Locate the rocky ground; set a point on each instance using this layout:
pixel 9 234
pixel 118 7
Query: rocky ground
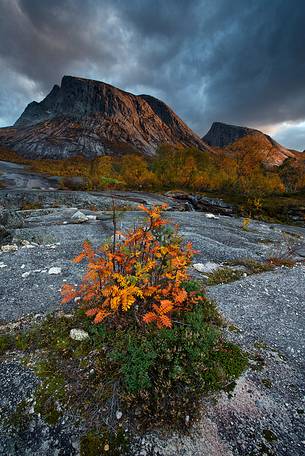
pixel 262 414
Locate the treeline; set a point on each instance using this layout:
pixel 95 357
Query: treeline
pixel 179 168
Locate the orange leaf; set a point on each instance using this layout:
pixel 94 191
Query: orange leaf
pixel 100 316
pixel 165 321
pixel 68 293
pixel 181 296
pixel 165 307
pixel 92 312
pixel 149 317
pixel 79 258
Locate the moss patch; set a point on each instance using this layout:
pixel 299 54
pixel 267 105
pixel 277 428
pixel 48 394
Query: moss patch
pixel 155 378
pixel 103 442
pixel 224 275
pixel 252 266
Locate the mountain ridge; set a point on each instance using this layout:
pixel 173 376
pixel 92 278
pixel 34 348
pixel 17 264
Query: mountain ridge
pixel 91 118
pixel 230 139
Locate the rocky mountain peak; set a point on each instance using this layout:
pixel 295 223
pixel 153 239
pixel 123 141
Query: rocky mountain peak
pixel 222 134
pixel 87 117
pixel 234 138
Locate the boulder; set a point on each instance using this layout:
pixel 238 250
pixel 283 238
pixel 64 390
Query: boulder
pixel 11 219
pixel 79 217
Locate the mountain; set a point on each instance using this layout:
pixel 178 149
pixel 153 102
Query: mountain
pixel 90 118
pixel 232 139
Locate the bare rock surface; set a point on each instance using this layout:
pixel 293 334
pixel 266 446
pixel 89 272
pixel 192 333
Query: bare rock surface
pixel 262 414
pixel 15 175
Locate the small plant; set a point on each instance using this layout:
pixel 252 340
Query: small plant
pixel 137 278
pixel 245 223
pixel 27 205
pixel 224 275
pixel 277 261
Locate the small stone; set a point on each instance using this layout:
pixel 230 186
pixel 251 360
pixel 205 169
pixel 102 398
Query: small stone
pixel 54 270
pixel 78 334
pixel 106 447
pixel 26 274
pixel 119 415
pixel 206 267
pixel 211 216
pixel 187 419
pixel 79 217
pixel 9 248
pixel 2 265
pixel 28 246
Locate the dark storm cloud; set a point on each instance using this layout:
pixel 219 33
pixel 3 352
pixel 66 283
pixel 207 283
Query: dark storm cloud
pixel 238 61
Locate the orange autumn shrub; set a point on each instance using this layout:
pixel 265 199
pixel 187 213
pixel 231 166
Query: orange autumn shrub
pixel 139 276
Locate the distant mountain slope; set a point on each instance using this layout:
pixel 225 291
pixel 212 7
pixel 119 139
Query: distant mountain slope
pixel 86 117
pixel 233 138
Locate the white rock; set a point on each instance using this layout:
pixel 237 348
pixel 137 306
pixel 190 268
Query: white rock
pixel 9 248
pixel 119 415
pixel 79 217
pixel 26 274
pixel 206 267
pixel 55 270
pixel 211 216
pixel 78 334
pixel 25 242
pixel 2 265
pixel 22 266
pixel 91 217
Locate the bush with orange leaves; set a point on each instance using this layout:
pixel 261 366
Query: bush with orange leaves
pixel 138 277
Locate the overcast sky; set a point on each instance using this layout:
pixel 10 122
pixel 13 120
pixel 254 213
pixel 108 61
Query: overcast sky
pixel 236 61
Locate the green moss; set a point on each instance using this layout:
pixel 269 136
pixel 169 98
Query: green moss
pixel 7 342
pixel 257 362
pixel 19 419
pixel 224 275
pixel 252 266
pixel 233 328
pixel 269 435
pixel 160 373
pixel 103 442
pixel 260 345
pixel 267 382
pixel 266 241
pixel 50 392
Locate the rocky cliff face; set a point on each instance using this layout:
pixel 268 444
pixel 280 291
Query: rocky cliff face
pixel 233 138
pixel 90 118
pixel 221 134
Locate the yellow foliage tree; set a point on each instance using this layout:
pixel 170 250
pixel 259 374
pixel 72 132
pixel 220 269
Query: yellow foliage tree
pixel 138 278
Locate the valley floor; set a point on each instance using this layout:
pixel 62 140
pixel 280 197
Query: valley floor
pixel 262 414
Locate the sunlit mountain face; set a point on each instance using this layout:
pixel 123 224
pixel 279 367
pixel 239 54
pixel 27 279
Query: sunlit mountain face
pixel 209 60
